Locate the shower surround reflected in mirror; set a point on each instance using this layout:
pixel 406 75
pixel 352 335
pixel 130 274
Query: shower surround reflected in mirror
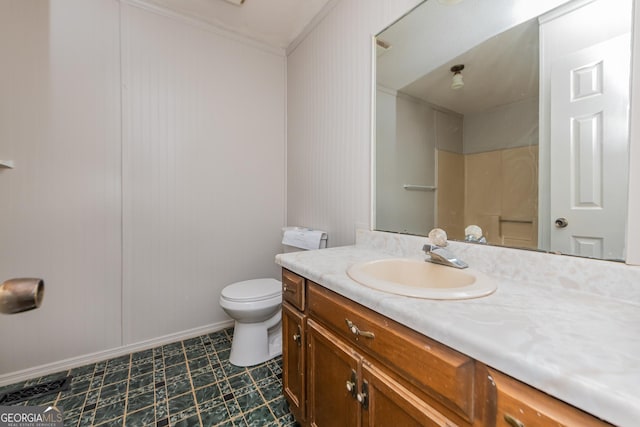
pixel 532 130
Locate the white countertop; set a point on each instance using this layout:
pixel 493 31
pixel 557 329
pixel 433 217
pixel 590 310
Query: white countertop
pixel 570 342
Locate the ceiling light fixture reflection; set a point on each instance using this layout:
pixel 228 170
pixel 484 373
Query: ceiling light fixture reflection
pixel 456 80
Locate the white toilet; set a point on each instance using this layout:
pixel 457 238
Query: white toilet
pixel 255 305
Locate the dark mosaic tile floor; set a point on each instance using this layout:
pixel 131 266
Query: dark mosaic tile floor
pixel 186 383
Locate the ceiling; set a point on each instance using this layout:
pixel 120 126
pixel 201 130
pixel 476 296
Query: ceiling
pixel 496 40
pixel 500 71
pixel 276 23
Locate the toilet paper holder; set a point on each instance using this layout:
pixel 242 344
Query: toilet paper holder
pixel 21 294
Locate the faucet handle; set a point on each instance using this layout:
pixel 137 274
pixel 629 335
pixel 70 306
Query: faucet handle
pixel 442 256
pixel 428 247
pixel 438 236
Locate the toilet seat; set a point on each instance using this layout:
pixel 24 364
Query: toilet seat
pixel 252 290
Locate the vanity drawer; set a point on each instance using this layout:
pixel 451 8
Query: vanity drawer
pixel 293 289
pixel 421 361
pixel 519 405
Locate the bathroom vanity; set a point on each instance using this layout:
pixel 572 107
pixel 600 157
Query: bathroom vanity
pixel 356 356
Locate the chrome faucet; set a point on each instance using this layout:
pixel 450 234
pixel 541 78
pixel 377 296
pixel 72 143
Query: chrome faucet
pixel 439 255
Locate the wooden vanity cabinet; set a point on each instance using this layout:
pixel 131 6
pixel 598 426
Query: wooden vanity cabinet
pixel 346 365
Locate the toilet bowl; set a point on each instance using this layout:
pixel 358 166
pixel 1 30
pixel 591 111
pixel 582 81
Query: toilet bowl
pixel 255 305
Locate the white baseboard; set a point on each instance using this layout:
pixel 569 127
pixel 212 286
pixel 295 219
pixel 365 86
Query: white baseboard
pixel 74 362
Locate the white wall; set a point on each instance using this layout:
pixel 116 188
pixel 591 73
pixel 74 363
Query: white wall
pixel 507 126
pixel 385 159
pixel 204 171
pixel 329 118
pixel 60 206
pixel 449 131
pixel 192 179
pixel 405 156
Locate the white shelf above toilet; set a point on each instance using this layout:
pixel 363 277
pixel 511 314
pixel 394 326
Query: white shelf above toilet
pixel 7 164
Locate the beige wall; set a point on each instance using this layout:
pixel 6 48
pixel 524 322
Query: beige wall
pixel 188 190
pixel 451 183
pixel 496 190
pixel 501 195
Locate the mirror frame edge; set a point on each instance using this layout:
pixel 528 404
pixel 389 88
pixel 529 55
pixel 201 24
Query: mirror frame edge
pixel 633 227
pixel 372 135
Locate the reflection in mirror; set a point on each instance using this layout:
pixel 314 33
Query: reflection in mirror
pixel 517 123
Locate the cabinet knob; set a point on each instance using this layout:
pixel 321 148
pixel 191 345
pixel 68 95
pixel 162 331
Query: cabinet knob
pixel 363 397
pixel 513 421
pixel 351 383
pixel 351 386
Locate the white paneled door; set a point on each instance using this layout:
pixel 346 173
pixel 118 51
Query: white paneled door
pixel 589 149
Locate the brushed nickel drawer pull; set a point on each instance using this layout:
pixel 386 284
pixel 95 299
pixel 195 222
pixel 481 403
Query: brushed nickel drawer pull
pixel 356 331
pixel 512 421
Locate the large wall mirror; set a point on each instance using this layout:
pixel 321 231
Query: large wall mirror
pixel 512 115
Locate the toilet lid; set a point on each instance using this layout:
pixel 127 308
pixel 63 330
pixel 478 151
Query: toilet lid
pixel 252 290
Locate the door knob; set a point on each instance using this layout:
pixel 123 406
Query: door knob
pixel 561 222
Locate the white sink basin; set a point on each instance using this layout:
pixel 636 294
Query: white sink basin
pixel 421 279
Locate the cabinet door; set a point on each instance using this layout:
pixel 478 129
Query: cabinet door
pixel 388 403
pixel 332 386
pixel 293 360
